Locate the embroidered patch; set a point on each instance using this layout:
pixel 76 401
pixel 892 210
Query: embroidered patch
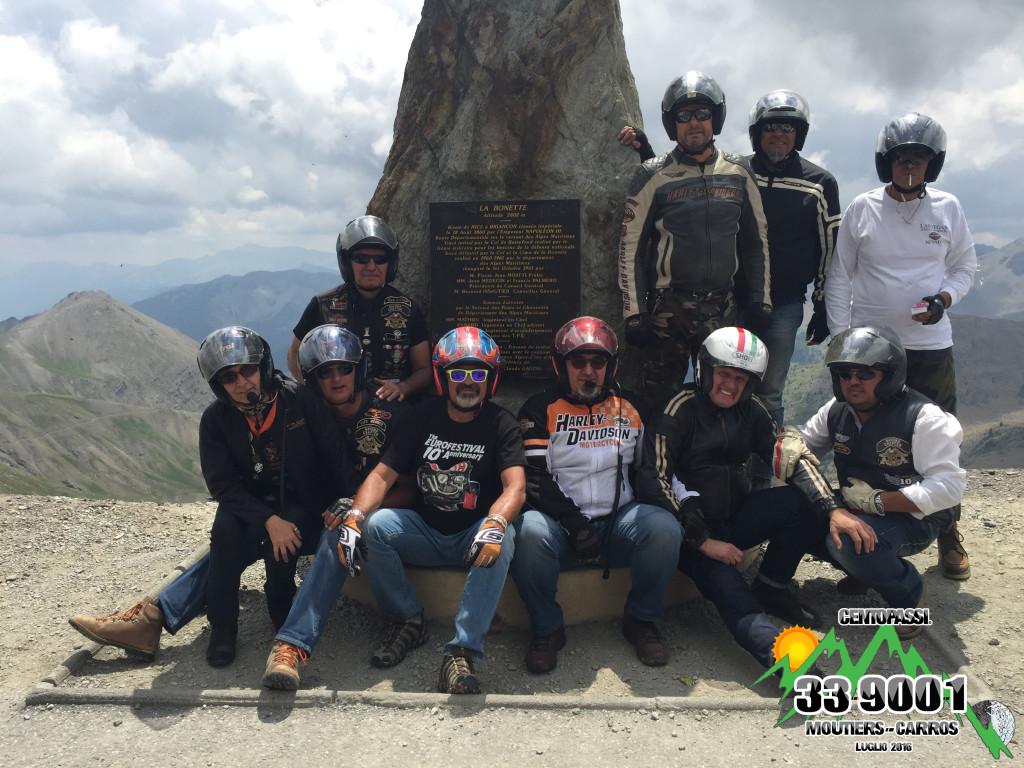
pixel 892 451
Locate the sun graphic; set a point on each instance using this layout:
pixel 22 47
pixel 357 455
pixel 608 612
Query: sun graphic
pixel 797 643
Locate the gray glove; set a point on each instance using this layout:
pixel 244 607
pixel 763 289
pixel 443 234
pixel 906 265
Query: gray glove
pixel 860 495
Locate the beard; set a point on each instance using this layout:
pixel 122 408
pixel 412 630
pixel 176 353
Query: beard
pixel 589 392
pixel 468 399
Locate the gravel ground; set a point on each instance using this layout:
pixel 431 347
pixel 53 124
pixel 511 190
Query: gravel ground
pixel 60 556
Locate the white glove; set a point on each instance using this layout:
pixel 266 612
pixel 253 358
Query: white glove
pixel 860 495
pixel 789 449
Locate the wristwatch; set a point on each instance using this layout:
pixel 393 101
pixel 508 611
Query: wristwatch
pixel 877 501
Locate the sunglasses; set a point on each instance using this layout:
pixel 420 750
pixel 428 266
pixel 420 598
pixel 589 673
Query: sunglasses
pixel 325 372
pixel 579 363
pixel 912 156
pixel 245 371
pixel 864 374
pixel 684 115
pixel 784 127
pixel 365 258
pixel 458 375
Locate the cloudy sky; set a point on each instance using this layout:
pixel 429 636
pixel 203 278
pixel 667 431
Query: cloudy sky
pixel 141 131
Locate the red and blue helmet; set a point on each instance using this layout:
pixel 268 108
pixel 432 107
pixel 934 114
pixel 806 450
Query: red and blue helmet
pixel 466 344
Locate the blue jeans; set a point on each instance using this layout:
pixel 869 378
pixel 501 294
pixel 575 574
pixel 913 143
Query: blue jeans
pixel 316 596
pixel 885 569
pixel 780 340
pixel 644 537
pixel 396 537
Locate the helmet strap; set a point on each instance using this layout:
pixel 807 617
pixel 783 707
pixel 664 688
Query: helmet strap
pixel 696 152
pixel 917 191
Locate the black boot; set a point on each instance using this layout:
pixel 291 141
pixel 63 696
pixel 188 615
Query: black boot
pixel 221 650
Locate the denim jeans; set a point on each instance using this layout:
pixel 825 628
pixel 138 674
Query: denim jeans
pixel 780 340
pixel 885 568
pixel 779 514
pixel 317 595
pixel 236 546
pixel 399 537
pixel 645 538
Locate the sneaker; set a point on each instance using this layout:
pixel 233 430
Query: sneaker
pixel 953 560
pixel 779 601
pixel 851 585
pixel 457 673
pixel 137 630
pixel 401 638
pixel 283 666
pixel 650 648
pixel 542 655
pixel 910 631
pixel 221 650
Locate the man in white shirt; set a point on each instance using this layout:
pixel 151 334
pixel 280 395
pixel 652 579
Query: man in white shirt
pixel 903 256
pixel 897 458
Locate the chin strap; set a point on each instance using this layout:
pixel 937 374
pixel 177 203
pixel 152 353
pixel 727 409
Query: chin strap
pixel 917 191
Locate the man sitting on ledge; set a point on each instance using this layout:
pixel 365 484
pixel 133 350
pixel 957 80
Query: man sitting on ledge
pixel 581 438
pixel 466 458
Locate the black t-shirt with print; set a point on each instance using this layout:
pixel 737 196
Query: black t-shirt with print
pixel 456 466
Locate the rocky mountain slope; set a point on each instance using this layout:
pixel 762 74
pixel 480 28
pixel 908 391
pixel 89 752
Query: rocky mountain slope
pixel 96 399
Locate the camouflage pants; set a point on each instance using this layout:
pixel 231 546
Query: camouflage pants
pixel 678 328
pixel 932 373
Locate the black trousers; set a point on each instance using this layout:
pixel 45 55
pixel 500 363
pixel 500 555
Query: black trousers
pixel 235 545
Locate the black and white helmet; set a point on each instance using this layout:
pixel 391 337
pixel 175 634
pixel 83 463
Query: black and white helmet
pixel 234 345
pixel 869 347
pixel 735 348
pixel 913 131
pixel 367 232
pixel 780 106
pixel 692 87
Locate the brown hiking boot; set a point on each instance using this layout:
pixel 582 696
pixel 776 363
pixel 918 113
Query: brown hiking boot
pixel 542 655
pixel 650 647
pixel 283 666
pixel 137 630
pixel 953 560
pixel 910 631
pixel 401 638
pixel 457 674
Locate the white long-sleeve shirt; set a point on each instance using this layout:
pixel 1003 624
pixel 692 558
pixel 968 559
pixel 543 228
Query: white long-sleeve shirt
pixel 936 449
pixel 883 264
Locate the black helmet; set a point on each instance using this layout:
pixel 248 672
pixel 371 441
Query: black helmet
pixel 584 334
pixel 367 232
pixel 907 132
pixel 780 106
pixel 330 344
pixel 869 347
pixel 735 348
pixel 234 345
pixel 691 87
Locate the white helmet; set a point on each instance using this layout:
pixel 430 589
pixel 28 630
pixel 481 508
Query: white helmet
pixel 735 348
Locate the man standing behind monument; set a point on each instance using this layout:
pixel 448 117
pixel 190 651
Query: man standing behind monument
pixel 801 205
pixel 693 218
pixel 389 323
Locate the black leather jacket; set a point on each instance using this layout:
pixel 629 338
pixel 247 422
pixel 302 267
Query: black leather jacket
pixel 707 448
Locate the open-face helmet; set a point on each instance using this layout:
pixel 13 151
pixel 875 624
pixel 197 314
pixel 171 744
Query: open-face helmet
pixel 584 334
pixel 367 232
pixel 330 344
pixel 913 131
pixel 693 87
pixel 735 348
pixel 466 345
pixel 780 106
pixel 234 345
pixel 869 347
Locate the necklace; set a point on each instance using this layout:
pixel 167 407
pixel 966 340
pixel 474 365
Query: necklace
pixel 903 208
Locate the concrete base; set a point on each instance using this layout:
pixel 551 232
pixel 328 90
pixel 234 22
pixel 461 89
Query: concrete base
pixel 583 594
